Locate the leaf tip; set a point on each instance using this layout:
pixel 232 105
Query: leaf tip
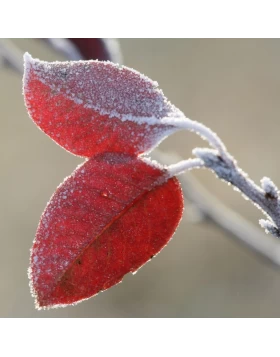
pixel 27 57
pixel 27 64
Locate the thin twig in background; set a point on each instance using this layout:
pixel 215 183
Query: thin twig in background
pixel 12 55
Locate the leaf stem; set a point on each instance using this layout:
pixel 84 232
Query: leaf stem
pixel 205 133
pixel 214 211
pixel 184 165
pixel 266 198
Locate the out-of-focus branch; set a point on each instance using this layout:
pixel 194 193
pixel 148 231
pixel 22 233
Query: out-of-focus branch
pixel 65 47
pixel 11 55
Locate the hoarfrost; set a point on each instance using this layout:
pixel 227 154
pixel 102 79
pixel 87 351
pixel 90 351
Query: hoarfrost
pixel 269 227
pixel 130 96
pixel 269 187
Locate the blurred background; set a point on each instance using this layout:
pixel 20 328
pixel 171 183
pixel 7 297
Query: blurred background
pixel 230 85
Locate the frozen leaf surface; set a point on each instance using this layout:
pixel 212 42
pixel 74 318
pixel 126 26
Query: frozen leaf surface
pixel 117 210
pixel 112 215
pixel 89 107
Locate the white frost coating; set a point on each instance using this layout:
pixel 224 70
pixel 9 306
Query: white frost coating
pixel 204 152
pixel 269 227
pixel 269 187
pixel 205 133
pixel 266 224
pixel 28 62
pixel 128 96
pixel 184 165
pixel 153 163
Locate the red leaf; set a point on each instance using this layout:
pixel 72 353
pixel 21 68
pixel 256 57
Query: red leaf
pixel 113 214
pixel 89 107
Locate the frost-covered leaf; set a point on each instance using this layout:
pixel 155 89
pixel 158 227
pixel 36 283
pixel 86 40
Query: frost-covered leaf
pixel 112 215
pixel 89 107
pixel 117 210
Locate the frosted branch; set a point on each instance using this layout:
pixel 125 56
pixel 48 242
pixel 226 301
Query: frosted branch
pixel 233 224
pixel 269 227
pixel 266 198
pixel 269 188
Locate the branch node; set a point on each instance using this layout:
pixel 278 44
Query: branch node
pixel 270 189
pixel 215 162
pixel 269 227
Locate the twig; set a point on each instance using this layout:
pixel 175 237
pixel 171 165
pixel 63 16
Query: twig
pixel 219 160
pixel 240 229
pixel 231 173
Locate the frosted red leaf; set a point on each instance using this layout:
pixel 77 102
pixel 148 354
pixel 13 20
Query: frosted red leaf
pixel 89 107
pixel 111 216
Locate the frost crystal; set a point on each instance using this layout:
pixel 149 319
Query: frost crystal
pixel 269 227
pixel 269 188
pixel 128 96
